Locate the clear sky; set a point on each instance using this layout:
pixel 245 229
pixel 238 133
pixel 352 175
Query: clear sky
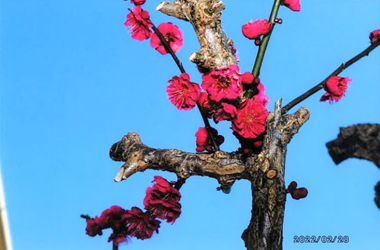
pixel 73 82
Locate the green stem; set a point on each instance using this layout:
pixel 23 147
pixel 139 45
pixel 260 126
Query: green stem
pixel 265 41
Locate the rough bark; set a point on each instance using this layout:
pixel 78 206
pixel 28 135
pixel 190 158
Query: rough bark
pixel 269 195
pixel 360 141
pixel 265 171
pixel 216 48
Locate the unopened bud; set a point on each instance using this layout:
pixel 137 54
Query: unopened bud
pixel 292 186
pixel 278 20
pixel 257 41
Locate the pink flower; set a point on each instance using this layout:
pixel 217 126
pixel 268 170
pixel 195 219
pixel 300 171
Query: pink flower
pixel 140 225
pixel 139 23
pixel 223 83
pixel 292 4
pixel 183 93
pixel 172 34
pixel 162 200
pixel 225 112
pixel 111 218
pixel 93 228
pixel 261 96
pixel 251 119
pixel 253 30
pixel 335 88
pixel 204 142
pixel 374 36
pixel 138 2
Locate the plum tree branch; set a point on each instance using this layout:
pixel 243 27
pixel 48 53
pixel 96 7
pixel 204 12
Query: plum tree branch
pixel 216 48
pixel 225 167
pixel 357 141
pixel 360 141
pixel 320 85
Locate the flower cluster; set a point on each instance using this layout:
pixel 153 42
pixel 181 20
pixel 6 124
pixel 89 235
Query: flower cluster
pixel 222 101
pixel 140 25
pixel 296 193
pixel 161 201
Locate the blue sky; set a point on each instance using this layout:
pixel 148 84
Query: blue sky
pixel 73 82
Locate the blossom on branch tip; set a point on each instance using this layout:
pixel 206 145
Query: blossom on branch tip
pixel 374 36
pixel 253 30
pixel 223 83
pixel 139 224
pixel 172 34
pixel 111 217
pixel 251 118
pixel 93 228
pixel 335 88
pixel 162 200
pixel 203 139
pixel 183 93
pixel 139 23
pixel 138 2
pixel 292 4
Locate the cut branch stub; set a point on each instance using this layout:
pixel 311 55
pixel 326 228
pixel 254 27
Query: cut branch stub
pixel 357 141
pixel 216 48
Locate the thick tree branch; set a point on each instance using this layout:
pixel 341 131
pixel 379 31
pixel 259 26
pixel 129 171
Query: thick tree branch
pixel 225 167
pixel 358 141
pixel 216 48
pixel 268 186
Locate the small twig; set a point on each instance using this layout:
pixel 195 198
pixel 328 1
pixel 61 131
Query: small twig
pixel 179 64
pixel 115 247
pixel 168 48
pixel 265 41
pixel 85 216
pixel 320 85
pixel 179 183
